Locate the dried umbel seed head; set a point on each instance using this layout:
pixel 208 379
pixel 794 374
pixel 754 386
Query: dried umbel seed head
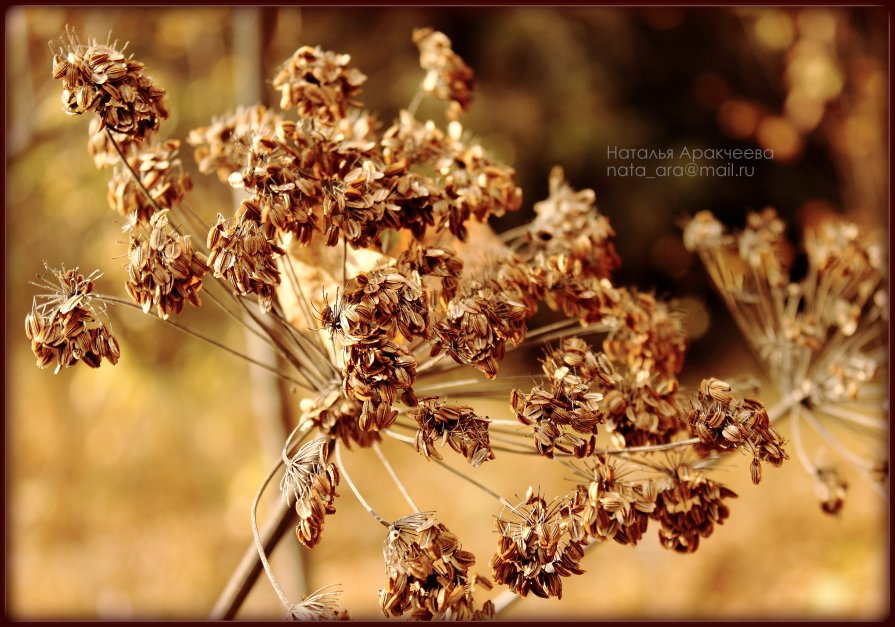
pixel 762 245
pixel 474 184
pixel 831 489
pixel 566 416
pixel 448 78
pixel 310 481
pixel 319 83
pixel 639 404
pixel 161 174
pixel 388 301
pixel 427 572
pixel 535 552
pixel 64 328
pixel 100 78
pixel 479 322
pixel 455 425
pixel 723 422
pixel 688 507
pixel 243 253
pixel 163 269
pixel 567 224
pixel 338 417
pixel 221 147
pixel 284 198
pixel 377 372
pixel 322 604
pixel 704 232
pixel 441 263
pixel 649 334
pixel 610 507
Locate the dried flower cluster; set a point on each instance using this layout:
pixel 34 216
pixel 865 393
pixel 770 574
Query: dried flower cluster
pixel 65 329
pixel 244 254
pixel 447 75
pixel 612 507
pixel 163 270
pixel 455 425
pixel 404 209
pixel 723 422
pixel 99 78
pixel 821 338
pixel 161 174
pixel 535 552
pixel 427 573
pixel 688 507
pixel 310 481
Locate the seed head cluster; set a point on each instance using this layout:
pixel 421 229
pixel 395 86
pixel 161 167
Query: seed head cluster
pixel 391 220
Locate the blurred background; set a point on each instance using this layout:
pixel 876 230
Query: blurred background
pixel 129 487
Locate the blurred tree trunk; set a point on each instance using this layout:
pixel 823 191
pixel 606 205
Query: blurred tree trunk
pixel 271 399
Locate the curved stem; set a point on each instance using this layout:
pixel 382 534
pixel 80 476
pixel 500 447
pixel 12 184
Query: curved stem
pixel 259 545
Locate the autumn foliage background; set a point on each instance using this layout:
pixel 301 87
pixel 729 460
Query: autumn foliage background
pixel 129 487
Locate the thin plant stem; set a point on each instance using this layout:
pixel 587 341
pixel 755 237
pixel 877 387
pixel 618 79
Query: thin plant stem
pixel 391 471
pixel 185 329
pixel 246 574
pixel 850 416
pixel 415 102
pixel 354 490
pixel 259 545
pixel 133 174
pixel 853 458
pixel 809 467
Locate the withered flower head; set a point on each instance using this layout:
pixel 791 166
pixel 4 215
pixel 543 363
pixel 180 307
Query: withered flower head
pixel 163 269
pixel 242 252
pixel 448 78
pixel 160 172
pixel 437 262
pixel 319 605
pixel 222 146
pixel 455 425
pixel 568 224
pixel 319 83
pixel 378 371
pixel 722 422
pixel 64 327
pixel 565 416
pixel 535 552
pixel 613 507
pixel 103 150
pixel 480 320
pixel 427 572
pixel 99 78
pixel 688 507
pixel 388 301
pixel 310 481
pixel 649 333
pixel 639 403
pixel 474 184
pixel 338 417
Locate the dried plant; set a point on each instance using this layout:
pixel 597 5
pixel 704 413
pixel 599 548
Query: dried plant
pixel 391 212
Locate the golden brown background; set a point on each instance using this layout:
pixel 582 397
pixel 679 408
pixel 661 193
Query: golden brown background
pixel 129 486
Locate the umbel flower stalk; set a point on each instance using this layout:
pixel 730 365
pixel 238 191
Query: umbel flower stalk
pixel 351 257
